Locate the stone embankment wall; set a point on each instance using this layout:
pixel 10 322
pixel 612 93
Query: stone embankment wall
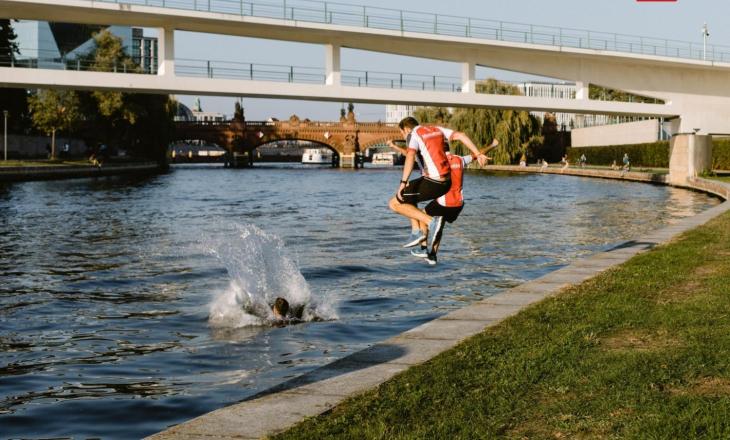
pixel 21 146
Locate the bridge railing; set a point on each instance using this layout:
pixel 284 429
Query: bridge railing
pixel 421 22
pixel 313 75
pixel 46 59
pixel 280 73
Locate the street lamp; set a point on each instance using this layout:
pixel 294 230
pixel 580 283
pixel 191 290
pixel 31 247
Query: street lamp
pixel 705 34
pixel 5 116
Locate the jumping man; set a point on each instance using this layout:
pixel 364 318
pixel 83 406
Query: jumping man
pixel 430 141
pixel 449 205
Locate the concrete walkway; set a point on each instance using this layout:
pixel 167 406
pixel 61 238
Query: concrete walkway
pixel 320 390
pixel 23 174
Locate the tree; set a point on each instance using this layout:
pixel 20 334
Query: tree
pixel 139 123
pixel 606 94
pixel 12 100
pixel 54 110
pixel 8 46
pixel 109 56
pixel 436 115
pixel 516 130
pixel 554 141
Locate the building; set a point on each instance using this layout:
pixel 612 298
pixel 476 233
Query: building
pixel 201 116
pixel 395 113
pixel 56 45
pixel 565 121
pixel 144 51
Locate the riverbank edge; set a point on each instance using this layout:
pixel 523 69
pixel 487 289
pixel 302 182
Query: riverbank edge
pixel 316 392
pixel 26 174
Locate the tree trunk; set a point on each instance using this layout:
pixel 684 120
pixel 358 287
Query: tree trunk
pixel 53 144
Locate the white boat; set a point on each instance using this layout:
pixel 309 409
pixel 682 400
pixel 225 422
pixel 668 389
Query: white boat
pixel 317 156
pixel 387 158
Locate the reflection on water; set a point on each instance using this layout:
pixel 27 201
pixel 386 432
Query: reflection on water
pixel 106 284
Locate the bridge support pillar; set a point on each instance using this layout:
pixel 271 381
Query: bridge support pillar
pixel 468 77
pixel 689 156
pixel 332 65
pixel 166 51
pixel 348 160
pixel 582 90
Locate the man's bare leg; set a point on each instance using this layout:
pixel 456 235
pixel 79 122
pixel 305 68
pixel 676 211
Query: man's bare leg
pixel 409 211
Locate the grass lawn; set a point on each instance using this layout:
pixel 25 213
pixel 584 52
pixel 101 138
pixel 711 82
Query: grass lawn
pixel 640 351
pixel 721 178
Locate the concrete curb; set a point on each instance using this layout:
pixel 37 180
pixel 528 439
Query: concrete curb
pixel 24 174
pixel 316 392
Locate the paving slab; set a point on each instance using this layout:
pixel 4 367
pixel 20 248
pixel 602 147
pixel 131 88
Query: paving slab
pixel 405 351
pixel 330 383
pixel 265 416
pixel 540 287
pixel 508 298
pixel 453 329
pixel 488 311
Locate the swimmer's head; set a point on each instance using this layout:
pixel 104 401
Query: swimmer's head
pixel 280 308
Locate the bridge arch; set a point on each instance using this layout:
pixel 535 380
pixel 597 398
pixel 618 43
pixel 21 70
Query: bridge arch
pixel 317 142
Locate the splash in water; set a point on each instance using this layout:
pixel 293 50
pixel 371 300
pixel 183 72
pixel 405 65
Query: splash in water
pixel 260 270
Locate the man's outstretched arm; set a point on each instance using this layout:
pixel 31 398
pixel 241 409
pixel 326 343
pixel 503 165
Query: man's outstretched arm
pixel 464 139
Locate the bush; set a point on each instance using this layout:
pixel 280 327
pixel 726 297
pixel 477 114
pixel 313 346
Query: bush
pixel 721 154
pixel 655 154
pixel 652 155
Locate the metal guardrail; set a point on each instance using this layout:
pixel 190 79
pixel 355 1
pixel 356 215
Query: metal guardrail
pixel 314 75
pixel 448 25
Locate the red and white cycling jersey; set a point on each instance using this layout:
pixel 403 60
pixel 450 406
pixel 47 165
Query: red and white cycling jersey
pixel 430 142
pixel 455 197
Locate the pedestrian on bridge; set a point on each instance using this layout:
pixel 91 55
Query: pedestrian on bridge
pixel 430 141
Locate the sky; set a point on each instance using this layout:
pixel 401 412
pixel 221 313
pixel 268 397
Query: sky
pixel 680 20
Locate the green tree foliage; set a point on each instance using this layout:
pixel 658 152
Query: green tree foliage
pixel 652 155
pixel 139 123
pixel 655 154
pixel 8 46
pixel 109 56
pixel 554 141
pixel 606 94
pixel 433 115
pixel 14 101
pixel 54 110
pixel 515 130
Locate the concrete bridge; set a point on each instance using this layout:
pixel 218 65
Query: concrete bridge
pixel 347 138
pixel 690 81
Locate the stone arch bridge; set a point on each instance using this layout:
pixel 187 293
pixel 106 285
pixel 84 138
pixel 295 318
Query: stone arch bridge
pixel 348 138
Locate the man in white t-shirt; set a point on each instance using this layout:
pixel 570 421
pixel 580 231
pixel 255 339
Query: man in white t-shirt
pixel 430 141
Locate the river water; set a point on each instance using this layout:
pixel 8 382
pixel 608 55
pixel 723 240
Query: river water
pixel 120 298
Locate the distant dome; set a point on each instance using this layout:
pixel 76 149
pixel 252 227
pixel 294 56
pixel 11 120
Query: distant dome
pixel 183 113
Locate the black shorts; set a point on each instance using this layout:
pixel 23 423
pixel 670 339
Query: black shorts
pixel 422 190
pixel 449 214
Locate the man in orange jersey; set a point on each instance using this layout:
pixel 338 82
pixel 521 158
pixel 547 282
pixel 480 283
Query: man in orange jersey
pixel 430 141
pixel 449 205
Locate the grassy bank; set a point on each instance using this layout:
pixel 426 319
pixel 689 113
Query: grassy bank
pixel 43 163
pixel 640 351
